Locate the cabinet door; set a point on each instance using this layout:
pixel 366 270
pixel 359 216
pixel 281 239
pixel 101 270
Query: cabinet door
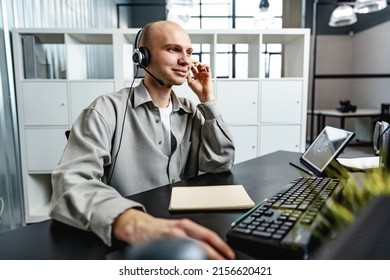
pixel 245 142
pixel 44 148
pixel 281 101
pixel 83 93
pixel 45 103
pixel 238 101
pixel 280 137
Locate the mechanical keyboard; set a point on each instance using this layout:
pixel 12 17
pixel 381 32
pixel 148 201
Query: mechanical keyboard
pixel 289 224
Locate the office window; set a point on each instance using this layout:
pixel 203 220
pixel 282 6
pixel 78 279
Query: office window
pixel 232 59
pixel 222 14
pixel 201 52
pixel 272 60
pixel 225 14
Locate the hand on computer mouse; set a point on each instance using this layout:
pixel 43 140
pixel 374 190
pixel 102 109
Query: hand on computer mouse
pixel 135 227
pixel 163 249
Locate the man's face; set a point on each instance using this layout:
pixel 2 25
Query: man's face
pixel 170 54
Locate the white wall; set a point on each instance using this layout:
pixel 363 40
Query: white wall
pixel 364 53
pixel 371 55
pixel 371 50
pixel 334 56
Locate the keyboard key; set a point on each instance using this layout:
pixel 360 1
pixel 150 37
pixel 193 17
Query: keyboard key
pixel 303 206
pixel 242 230
pixel 268 213
pixel 261 233
pixel 288 223
pixel 277 236
pixel 284 227
pixel 307 220
pixel 248 220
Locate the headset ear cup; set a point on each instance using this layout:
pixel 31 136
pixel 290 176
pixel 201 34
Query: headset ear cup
pixel 137 56
pixel 145 56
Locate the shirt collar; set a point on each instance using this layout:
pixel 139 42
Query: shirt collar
pixel 142 96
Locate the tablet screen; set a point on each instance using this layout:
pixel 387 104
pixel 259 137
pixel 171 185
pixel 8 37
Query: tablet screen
pixel 326 147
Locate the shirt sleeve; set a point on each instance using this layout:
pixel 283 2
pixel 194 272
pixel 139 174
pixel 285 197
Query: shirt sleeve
pixel 80 196
pixel 217 148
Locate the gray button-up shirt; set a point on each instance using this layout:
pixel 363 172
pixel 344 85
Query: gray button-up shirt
pixel 114 150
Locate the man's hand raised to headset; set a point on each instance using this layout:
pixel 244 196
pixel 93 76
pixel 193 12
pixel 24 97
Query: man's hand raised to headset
pixel 201 81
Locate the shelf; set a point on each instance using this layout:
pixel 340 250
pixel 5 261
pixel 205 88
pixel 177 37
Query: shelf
pixel 39 50
pixel 39 215
pixel 94 56
pixel 84 64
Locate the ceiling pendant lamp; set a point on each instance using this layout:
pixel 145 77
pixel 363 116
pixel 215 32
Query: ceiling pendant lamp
pixel 343 15
pixel 369 6
pixel 264 5
pixel 263 18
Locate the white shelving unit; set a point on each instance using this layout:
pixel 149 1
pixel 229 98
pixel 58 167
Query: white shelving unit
pixel 264 114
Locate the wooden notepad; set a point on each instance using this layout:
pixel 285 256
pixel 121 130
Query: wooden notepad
pixel 222 197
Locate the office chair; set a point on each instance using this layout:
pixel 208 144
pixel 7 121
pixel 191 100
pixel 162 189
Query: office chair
pixel 381 131
pixel 385 112
pixel 67 134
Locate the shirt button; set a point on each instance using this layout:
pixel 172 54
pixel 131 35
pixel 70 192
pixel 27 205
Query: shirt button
pixel 160 142
pixel 173 180
pixel 157 121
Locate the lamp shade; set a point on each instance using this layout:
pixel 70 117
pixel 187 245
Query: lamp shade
pixel 369 6
pixel 264 5
pixel 343 15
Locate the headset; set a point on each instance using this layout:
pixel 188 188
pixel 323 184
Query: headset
pixel 141 56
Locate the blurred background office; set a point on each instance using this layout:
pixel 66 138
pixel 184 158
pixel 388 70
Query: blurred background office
pixel 347 61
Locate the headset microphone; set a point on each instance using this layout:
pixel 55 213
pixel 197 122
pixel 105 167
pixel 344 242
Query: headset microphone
pixel 154 77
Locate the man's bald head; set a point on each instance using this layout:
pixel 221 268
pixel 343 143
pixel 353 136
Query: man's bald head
pixel 153 30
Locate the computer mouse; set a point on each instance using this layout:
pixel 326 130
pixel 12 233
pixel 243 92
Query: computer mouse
pixel 163 249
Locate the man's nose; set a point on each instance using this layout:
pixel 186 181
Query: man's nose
pixel 185 59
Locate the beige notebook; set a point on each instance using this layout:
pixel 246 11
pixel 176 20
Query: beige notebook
pixel 210 198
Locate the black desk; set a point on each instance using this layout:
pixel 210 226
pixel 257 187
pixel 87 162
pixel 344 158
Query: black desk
pixel 262 177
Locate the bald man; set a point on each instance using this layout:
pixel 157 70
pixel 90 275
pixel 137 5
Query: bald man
pixel 141 138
